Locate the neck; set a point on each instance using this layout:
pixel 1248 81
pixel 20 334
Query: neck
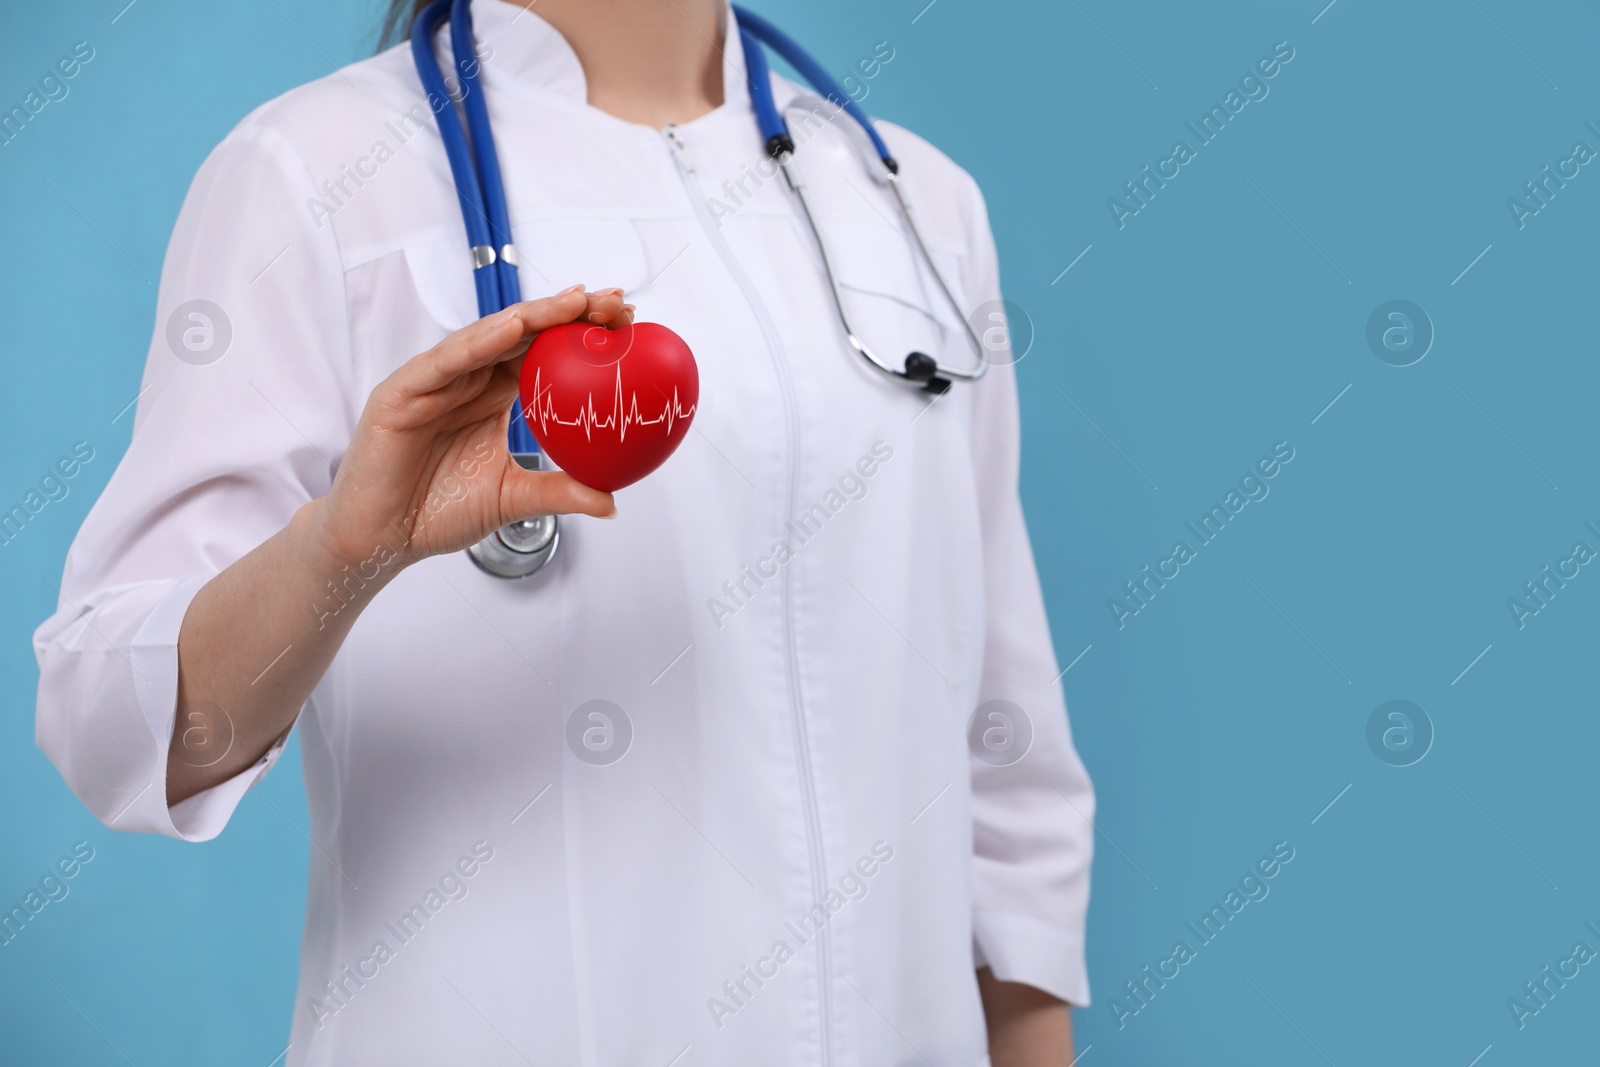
pixel 654 62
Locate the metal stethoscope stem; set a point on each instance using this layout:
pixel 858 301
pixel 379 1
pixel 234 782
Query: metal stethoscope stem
pixel 919 367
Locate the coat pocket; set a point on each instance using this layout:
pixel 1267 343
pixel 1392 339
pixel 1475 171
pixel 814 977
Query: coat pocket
pixel 891 297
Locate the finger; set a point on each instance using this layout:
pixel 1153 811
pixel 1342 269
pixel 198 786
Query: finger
pixel 606 308
pixel 487 341
pixel 529 494
pixel 536 316
pixel 492 397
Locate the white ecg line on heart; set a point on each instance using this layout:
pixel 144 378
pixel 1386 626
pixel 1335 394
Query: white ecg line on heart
pixel 543 410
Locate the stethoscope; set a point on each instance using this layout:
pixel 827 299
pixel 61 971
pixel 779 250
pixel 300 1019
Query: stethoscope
pixel 522 548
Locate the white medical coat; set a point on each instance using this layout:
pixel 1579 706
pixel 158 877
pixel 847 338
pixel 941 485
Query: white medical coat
pixel 798 860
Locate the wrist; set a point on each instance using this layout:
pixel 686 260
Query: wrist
pixel 351 567
pixel 1028 1027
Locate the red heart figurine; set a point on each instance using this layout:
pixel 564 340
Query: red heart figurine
pixel 609 406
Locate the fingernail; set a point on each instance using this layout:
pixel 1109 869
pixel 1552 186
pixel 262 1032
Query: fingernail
pixel 571 289
pixel 610 516
pixel 606 292
pixel 629 307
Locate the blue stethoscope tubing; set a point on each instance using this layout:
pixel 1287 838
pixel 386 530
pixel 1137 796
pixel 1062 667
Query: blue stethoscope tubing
pixel 475 166
pixel 754 31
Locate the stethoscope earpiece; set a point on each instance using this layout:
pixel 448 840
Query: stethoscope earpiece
pixel 921 367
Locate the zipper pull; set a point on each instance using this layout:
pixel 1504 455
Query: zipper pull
pixel 680 150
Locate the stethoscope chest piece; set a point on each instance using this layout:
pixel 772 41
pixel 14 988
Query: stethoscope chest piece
pixel 519 549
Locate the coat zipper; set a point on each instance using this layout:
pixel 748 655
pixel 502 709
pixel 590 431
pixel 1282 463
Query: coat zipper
pixel 686 171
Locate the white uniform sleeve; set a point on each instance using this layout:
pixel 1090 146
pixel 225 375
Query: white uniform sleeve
pixel 228 441
pixel 1033 830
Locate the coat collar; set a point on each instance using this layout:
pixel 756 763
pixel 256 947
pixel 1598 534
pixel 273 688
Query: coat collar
pixel 530 54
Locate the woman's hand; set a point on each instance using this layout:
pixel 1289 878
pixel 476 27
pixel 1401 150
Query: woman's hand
pixel 427 470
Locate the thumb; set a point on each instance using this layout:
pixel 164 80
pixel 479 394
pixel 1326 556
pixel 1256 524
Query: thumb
pixel 529 494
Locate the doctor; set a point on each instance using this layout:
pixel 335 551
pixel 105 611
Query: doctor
pixel 703 786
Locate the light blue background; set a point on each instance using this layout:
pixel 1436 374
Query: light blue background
pixel 1210 327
